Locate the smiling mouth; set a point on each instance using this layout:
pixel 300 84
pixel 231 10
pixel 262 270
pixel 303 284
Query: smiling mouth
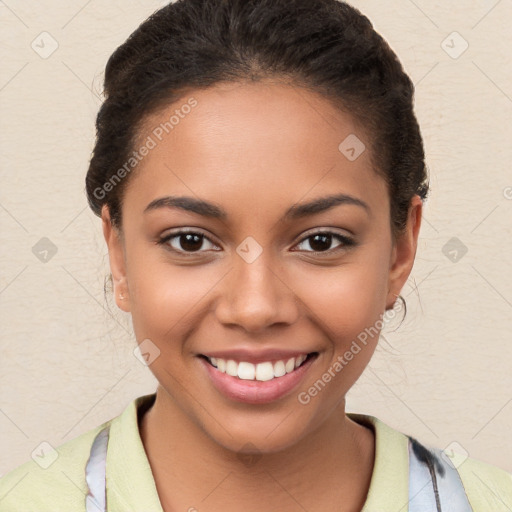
pixel 264 371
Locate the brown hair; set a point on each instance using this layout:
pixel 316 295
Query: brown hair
pixel 326 46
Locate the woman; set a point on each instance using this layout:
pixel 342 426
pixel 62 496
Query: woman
pixel 260 175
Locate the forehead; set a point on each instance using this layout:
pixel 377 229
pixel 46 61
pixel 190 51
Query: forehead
pixel 257 142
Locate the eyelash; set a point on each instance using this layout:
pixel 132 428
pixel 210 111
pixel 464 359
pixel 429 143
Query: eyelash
pixel 345 242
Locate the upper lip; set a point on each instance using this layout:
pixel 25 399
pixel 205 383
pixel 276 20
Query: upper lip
pixel 253 356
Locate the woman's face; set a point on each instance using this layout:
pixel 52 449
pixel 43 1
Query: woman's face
pixel 275 268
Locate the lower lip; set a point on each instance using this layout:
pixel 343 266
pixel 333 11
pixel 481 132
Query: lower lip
pixel 255 391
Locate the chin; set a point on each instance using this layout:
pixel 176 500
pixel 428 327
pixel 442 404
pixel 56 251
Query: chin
pixel 259 432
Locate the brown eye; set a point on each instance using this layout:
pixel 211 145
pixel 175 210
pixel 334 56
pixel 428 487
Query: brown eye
pixel 187 242
pixel 321 242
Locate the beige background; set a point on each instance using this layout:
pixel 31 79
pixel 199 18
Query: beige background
pixel 67 360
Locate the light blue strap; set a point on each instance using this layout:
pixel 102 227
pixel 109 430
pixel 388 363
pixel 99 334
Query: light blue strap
pixel 434 483
pixel 95 473
pixel 421 491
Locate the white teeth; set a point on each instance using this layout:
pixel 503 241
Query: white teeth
pixel 232 368
pixel 221 365
pixel 279 369
pixel 261 371
pixel 246 371
pixel 264 371
pixel 290 365
pixel 299 360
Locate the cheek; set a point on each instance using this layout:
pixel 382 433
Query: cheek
pixel 347 304
pixel 165 298
pixel 347 298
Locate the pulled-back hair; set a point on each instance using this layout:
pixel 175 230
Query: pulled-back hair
pixel 325 46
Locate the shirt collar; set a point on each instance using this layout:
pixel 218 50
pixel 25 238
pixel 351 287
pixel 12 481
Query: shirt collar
pixel 389 486
pixel 130 482
pixel 131 485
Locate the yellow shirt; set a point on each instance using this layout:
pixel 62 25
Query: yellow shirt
pixel 61 487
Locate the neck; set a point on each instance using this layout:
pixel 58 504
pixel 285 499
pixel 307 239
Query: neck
pixel 330 469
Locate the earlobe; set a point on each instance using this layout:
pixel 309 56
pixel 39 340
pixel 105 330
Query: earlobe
pixel 116 254
pixel 404 252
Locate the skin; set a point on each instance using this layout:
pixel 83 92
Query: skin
pixel 255 150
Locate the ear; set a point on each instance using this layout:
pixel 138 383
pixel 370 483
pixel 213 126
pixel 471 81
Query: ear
pixel 116 254
pixel 404 252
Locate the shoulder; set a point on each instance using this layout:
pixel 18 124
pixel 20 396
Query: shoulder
pixel 52 480
pixel 487 487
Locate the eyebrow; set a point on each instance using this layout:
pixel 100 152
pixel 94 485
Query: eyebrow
pixel 297 211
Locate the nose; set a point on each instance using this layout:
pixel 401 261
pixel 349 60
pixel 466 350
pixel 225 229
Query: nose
pixel 256 295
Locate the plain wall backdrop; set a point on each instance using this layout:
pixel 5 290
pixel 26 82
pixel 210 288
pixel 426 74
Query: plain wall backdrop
pixel 67 362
